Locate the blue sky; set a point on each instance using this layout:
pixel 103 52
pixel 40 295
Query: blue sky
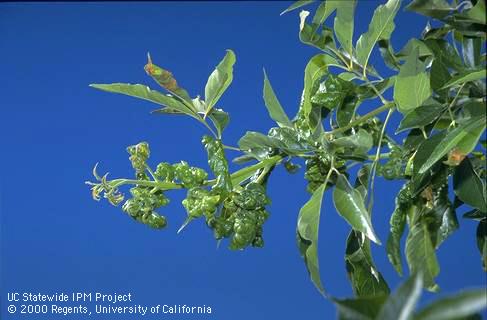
pixel 54 128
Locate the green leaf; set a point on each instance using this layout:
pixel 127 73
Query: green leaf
pixel 413 140
pixel 167 110
pixel 275 109
pixel 344 24
pixel 308 35
pixel 247 172
pixel 468 186
pixel 289 140
pixel 400 304
pixel 412 85
pixel 421 116
pixel 348 76
pixel 307 234
pixel 363 177
pixel 420 254
pixel 476 13
pixel 365 308
pixel 466 25
pixel 144 92
pixel 445 52
pixel 343 28
pixel 431 8
pixel 316 68
pixel 258 144
pixel 435 33
pixel 282 139
pixel 468 143
pixel 470 75
pixel 380 28
pixel 447 225
pixel 199 105
pixel 365 91
pixel 166 80
pixel 324 10
pixel 472 49
pixel 445 58
pixel 333 92
pixel 346 111
pixel 441 220
pixel 365 278
pixel 350 205
pixel 360 142
pixel 465 137
pixel 387 53
pixel 219 80
pixel 425 149
pixel 296 5
pixel 253 139
pixel 397 225
pixel 454 307
pixel 220 119
pixel 439 75
pixel 413 45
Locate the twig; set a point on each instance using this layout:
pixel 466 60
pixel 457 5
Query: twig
pixel 364 118
pixel 376 161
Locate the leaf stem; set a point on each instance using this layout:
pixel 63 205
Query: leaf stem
pixel 209 128
pixel 247 172
pixel 237 177
pixel 453 122
pixel 339 66
pixel 353 165
pixel 162 185
pixel 231 148
pixel 363 77
pixel 382 155
pixel 200 119
pixel 425 135
pixel 364 118
pixel 332 168
pixel 377 92
pixel 376 161
pixel 339 55
pixel 263 174
pixel 151 173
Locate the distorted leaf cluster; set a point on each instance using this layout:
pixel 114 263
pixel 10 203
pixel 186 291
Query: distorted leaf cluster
pixel 242 217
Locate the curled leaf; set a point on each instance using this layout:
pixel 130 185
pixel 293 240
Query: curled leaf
pixel 166 80
pixel 364 276
pixel 218 164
